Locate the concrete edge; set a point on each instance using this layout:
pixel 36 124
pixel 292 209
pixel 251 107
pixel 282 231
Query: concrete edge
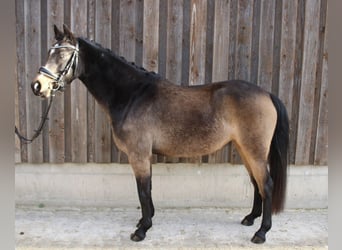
pixel 174 185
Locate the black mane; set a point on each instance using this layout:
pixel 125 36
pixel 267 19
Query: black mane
pixel 122 59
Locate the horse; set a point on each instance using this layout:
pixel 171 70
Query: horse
pixel 150 114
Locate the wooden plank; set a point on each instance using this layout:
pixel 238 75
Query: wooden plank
pixel 115 46
pixel 162 57
pixel 90 98
pixel 266 45
pixel 22 86
pixel 221 41
pixel 197 49
pixel 287 53
pixel 172 37
pixel 244 40
pixel 150 35
pixel 255 42
pixel 43 56
pixel 220 58
pixel 321 139
pixel 139 30
pixel 17 155
pixel 163 33
pixel 317 85
pixel 209 43
pixel 297 79
pixel 174 41
pixel 127 29
pixel 33 103
pixel 186 42
pixel 78 91
pixel 232 39
pixel 197 42
pixel 55 10
pixel 209 48
pixel 233 23
pixel 147 47
pixel 67 96
pixel 102 123
pixel 310 51
pixel 243 51
pixel 276 46
pixel 287 70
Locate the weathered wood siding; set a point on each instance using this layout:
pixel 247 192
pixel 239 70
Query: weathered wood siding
pixel 280 45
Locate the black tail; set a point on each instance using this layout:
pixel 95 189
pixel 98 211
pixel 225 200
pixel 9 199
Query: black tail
pixel 278 156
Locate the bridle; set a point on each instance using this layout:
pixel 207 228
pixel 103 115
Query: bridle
pixel 58 80
pixel 59 85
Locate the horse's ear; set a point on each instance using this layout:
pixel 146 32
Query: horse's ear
pixel 59 35
pixel 68 34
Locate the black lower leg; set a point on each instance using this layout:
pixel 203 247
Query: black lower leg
pixel 266 224
pixel 151 206
pixel 257 207
pixel 147 209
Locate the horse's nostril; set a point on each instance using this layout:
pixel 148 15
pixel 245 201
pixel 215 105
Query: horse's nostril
pixel 36 87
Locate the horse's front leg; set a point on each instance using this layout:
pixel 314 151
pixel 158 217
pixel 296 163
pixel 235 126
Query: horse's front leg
pixel 143 175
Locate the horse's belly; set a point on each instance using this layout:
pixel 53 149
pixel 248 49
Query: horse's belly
pixel 193 144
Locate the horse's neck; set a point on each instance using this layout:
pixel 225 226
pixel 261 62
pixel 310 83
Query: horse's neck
pixel 116 84
pixel 107 77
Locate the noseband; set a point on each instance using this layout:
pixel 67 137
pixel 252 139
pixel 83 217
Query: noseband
pixel 58 79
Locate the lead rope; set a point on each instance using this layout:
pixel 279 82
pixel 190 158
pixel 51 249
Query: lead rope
pixel 40 128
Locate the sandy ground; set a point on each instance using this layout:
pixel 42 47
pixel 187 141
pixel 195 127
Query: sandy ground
pixel 183 228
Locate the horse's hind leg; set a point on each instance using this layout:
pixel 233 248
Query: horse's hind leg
pixel 255 158
pixel 266 223
pixel 257 207
pixel 142 171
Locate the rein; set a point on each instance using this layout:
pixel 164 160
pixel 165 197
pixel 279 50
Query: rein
pixel 39 129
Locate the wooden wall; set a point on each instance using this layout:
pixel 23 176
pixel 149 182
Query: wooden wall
pixel 280 45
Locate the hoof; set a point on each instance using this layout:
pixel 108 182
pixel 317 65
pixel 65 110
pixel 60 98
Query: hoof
pixel 138 235
pixel 247 222
pixel 258 239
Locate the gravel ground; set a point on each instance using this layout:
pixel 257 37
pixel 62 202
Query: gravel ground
pixel 183 228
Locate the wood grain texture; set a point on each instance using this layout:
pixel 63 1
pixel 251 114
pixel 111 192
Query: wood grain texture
pixel 307 92
pixel 287 53
pixel 56 141
pixel 197 42
pixel 266 44
pixel 320 138
pixel 174 41
pixel 150 35
pixel 280 45
pixel 32 63
pixel 102 122
pixel 21 85
pixel 220 63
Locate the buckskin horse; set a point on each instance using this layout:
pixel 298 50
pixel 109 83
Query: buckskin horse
pixel 150 115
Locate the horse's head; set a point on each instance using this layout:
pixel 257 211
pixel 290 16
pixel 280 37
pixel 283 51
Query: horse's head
pixel 60 66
